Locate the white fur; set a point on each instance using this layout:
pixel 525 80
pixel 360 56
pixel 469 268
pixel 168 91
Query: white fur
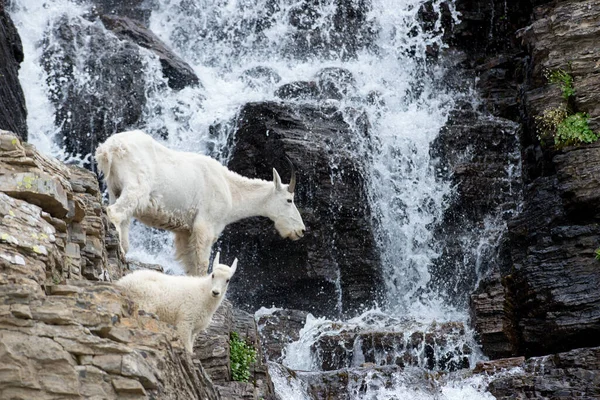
pixel 188 302
pixel 190 194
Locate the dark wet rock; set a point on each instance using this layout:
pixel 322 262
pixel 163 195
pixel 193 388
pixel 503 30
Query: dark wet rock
pixel 178 72
pixel 278 329
pixel 570 375
pixel 344 34
pixel 498 365
pixel 480 155
pixel 98 96
pixel 555 274
pixel 335 83
pixel 492 317
pixel 336 263
pixel 260 77
pixel 13 111
pixel 139 10
pixel 302 90
pixel 438 347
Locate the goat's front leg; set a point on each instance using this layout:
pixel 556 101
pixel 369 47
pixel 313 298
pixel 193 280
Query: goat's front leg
pixel 201 241
pixel 184 329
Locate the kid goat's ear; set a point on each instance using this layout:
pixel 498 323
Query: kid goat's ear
pixel 234 266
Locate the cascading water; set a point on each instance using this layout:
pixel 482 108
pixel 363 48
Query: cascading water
pixel 387 50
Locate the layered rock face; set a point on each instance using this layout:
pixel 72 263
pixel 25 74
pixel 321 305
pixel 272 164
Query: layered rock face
pixel 335 268
pixel 547 301
pixel 13 111
pixel 66 335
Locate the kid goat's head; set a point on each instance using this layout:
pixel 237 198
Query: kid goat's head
pixel 288 221
pixel 220 276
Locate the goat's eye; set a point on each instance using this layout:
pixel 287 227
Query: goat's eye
pixel 227 281
pixel 289 200
pixel 213 276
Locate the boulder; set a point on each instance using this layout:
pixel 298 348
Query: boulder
pixel 260 76
pixel 335 268
pixel 138 10
pixel 178 72
pixel 94 96
pixel 13 110
pixel 570 375
pixel 278 329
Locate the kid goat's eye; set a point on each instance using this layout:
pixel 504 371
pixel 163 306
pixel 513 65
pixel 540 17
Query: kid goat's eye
pixel 213 276
pixel 289 200
pixel 227 281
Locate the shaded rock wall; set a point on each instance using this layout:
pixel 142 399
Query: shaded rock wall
pixel 13 111
pixel 546 301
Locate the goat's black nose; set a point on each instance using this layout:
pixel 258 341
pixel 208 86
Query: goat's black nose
pixel 216 293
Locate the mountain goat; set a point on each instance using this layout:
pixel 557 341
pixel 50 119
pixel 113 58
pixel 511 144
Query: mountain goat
pixel 188 302
pixel 190 194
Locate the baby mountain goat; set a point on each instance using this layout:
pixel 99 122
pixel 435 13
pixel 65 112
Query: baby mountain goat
pixel 189 194
pixel 188 302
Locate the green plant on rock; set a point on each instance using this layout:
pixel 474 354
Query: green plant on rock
pixel 574 130
pixel 597 254
pixel 561 123
pixel 242 356
pixel 564 79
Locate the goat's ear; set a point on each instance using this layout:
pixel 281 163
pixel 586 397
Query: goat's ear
pixel 234 266
pixel 276 180
pixel 216 261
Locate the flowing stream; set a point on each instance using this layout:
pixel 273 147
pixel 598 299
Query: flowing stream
pixel 388 54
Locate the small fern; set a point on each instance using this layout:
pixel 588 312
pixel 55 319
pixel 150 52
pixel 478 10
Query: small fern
pixel 574 130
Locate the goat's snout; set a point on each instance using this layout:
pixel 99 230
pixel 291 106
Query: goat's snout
pixel 216 293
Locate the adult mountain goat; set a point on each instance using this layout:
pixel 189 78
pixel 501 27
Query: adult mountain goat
pixel 190 194
pixel 188 302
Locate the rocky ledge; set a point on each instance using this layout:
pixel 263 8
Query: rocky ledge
pixel 66 332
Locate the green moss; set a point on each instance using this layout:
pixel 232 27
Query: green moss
pixel 597 254
pixel 242 356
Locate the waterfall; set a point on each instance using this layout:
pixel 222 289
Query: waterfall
pixel 390 58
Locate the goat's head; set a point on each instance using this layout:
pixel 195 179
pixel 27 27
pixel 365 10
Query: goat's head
pixel 221 274
pixel 288 221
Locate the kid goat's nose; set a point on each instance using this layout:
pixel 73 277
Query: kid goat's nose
pixel 216 293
